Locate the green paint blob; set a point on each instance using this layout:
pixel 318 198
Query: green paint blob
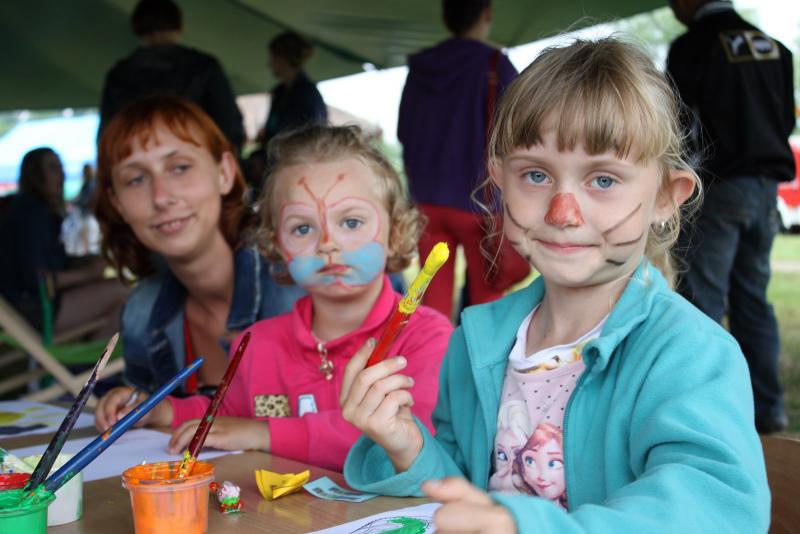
pixel 30 517
pixel 408 525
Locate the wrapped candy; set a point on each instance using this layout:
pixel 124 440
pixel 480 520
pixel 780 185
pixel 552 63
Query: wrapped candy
pixel 228 496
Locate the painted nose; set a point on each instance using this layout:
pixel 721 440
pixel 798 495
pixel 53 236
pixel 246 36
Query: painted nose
pixel 326 243
pixel 563 211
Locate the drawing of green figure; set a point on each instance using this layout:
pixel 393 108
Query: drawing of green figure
pixel 396 525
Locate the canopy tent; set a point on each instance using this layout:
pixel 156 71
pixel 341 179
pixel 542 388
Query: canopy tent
pixel 56 54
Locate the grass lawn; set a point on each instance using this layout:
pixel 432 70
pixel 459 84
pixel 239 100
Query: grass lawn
pixel 784 293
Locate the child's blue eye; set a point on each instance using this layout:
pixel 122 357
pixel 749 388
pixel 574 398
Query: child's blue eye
pixel 302 229
pixel 351 223
pixel 180 169
pixel 603 182
pixel 537 177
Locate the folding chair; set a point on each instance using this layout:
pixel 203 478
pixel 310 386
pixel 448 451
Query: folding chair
pixel 51 357
pixel 782 456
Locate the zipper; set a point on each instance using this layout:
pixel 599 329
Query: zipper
pixel 567 411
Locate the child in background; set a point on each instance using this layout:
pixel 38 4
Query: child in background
pixel 644 403
pixel 335 215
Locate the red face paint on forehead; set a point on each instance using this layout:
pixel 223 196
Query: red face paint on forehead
pixel 320 203
pixel 563 210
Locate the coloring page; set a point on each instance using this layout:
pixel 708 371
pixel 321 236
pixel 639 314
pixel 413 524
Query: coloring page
pixel 412 520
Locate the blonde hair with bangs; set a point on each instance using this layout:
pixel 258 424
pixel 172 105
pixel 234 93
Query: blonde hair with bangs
pixel 605 94
pixel 323 143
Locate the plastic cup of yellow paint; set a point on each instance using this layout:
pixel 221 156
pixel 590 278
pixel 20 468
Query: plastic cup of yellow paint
pixel 30 518
pixel 68 506
pixel 164 503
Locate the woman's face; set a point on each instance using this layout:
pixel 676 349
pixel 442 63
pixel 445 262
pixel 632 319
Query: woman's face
pixel 170 193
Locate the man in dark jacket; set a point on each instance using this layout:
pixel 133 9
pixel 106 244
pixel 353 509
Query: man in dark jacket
pixel 442 126
pixel 161 65
pixel 737 86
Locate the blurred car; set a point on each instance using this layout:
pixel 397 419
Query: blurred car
pixel 789 196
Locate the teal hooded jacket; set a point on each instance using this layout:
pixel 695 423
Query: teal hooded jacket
pixel 658 435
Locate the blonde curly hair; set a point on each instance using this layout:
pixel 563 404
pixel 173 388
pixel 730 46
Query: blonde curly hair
pixel 324 143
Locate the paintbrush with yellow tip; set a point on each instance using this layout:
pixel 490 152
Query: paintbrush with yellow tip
pixel 437 257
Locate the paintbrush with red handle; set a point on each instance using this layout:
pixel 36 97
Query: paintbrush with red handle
pixel 408 305
pixel 190 456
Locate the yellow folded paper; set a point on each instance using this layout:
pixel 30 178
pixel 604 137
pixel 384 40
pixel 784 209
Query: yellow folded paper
pixel 274 485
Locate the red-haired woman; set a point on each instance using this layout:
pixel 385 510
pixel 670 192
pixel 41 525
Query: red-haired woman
pixel 173 216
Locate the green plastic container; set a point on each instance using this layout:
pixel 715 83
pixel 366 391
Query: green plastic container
pixel 30 519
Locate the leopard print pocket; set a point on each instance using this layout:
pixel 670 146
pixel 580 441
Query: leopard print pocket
pixel 271 406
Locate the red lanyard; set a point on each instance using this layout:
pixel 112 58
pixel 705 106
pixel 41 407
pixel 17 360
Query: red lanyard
pixel 191 382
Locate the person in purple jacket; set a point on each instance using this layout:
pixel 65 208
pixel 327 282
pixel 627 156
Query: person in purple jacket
pixel 442 127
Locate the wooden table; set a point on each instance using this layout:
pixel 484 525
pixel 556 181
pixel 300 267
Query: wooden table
pixel 107 508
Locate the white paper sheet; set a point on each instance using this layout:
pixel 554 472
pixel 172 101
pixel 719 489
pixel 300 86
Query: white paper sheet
pixel 22 418
pixel 414 519
pixel 133 447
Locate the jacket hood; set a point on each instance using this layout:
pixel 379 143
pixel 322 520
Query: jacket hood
pixel 449 63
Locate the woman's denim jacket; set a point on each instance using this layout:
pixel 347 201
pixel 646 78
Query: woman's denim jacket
pixel 152 318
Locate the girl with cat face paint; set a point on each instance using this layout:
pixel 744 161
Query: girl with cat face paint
pixel 646 402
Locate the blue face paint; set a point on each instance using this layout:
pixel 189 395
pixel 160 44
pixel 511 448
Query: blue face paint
pixel 366 263
pixel 303 269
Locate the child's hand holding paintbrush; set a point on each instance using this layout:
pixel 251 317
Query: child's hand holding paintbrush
pixel 375 397
pixel 204 427
pixel 120 401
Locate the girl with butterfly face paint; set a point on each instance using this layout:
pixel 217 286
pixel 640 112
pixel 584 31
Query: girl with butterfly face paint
pixel 639 394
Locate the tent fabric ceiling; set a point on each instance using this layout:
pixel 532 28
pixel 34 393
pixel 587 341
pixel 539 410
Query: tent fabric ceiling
pixel 57 53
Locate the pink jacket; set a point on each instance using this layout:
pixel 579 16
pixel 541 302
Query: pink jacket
pixel 279 377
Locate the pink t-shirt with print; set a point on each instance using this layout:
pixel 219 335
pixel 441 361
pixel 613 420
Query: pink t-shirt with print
pixel 528 452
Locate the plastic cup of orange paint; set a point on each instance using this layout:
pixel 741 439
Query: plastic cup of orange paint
pixel 164 503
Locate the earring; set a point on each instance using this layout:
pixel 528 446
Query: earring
pixel 660 226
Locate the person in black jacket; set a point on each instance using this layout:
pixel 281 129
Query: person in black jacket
pixel 162 66
pixel 295 100
pixel 737 86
